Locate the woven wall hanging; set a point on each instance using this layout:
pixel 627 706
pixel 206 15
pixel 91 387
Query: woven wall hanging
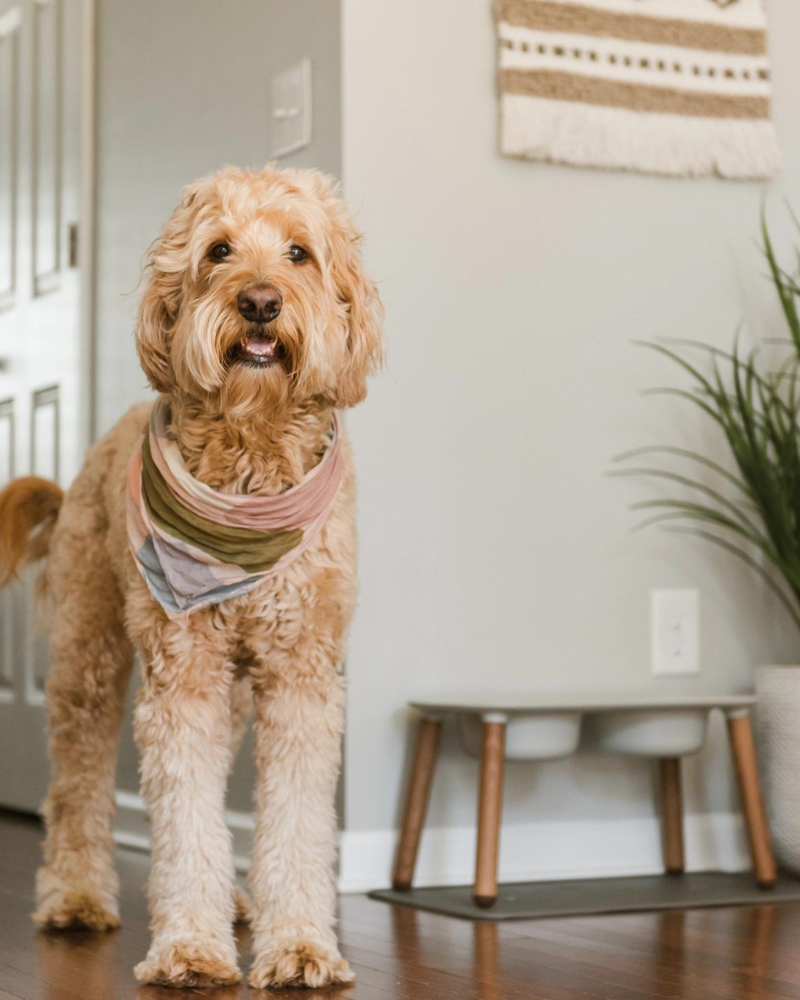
pixel 661 86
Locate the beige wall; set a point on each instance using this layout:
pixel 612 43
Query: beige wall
pixel 494 552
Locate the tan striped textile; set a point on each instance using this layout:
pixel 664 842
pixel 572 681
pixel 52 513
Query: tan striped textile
pixel 663 86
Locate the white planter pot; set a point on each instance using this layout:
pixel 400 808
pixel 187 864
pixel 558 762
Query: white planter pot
pixel 778 736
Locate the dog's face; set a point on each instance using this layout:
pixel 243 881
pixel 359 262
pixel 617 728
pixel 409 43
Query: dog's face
pixel 257 298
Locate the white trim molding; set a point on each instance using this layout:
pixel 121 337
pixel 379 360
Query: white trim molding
pixel 529 852
pixel 547 851
pixel 86 230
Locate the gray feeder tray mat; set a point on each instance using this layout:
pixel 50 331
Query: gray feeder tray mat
pixel 529 900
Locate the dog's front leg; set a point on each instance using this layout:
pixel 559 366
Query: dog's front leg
pixel 183 732
pixel 298 726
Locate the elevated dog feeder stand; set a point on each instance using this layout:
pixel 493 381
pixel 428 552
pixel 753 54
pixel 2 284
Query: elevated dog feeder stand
pixel 549 727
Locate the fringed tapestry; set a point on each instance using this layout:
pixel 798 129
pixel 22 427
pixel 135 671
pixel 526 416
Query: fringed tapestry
pixel 660 86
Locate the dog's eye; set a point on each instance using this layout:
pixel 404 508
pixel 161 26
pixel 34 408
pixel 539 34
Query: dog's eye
pixel 297 254
pixel 220 251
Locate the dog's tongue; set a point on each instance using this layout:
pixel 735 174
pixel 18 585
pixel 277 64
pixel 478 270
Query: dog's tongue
pixel 259 347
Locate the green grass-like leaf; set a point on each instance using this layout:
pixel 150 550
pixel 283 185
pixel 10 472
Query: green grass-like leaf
pixel 758 414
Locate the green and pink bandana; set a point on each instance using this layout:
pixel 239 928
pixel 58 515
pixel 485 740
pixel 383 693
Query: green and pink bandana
pixel 195 546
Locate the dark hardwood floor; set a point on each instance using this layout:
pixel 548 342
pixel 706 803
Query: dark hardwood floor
pixel 743 953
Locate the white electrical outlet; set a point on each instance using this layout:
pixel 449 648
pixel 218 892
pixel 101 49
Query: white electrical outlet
pixel 675 630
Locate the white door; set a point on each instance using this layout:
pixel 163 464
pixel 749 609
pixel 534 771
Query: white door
pixel 44 56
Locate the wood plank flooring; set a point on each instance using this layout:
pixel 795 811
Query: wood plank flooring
pixel 737 953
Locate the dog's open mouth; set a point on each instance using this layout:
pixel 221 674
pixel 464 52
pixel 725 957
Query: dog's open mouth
pixel 261 349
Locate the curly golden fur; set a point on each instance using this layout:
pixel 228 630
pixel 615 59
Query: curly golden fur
pixel 242 426
pixel 27 505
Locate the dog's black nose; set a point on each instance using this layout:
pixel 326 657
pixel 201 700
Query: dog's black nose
pixel 260 303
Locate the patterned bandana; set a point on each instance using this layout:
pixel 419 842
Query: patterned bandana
pixel 195 546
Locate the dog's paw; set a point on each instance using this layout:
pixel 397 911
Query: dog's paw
pixel 299 963
pixel 188 963
pixel 66 907
pixel 242 905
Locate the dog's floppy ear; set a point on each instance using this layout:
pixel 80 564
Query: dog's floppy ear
pixel 167 263
pixel 362 313
pixel 359 306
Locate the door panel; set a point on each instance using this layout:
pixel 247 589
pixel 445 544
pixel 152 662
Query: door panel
pixel 46 148
pixel 9 118
pixel 40 344
pixel 6 440
pixel 45 433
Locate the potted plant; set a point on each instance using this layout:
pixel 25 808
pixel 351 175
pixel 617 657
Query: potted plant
pixel 751 508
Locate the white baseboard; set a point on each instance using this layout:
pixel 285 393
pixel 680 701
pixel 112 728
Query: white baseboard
pixel 528 852
pixel 547 851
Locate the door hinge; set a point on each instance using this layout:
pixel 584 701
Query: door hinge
pixel 73 244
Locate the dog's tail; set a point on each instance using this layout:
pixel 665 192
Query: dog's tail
pixel 28 511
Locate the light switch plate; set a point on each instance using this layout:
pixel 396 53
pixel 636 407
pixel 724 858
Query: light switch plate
pixel 291 109
pixel 675 629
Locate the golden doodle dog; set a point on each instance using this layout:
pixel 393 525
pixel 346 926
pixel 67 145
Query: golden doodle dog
pixel 214 536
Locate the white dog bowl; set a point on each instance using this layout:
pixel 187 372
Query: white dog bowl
pixel 528 737
pixel 666 732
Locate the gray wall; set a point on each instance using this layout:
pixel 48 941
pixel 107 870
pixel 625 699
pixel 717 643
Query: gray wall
pixel 494 552
pixel 183 89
